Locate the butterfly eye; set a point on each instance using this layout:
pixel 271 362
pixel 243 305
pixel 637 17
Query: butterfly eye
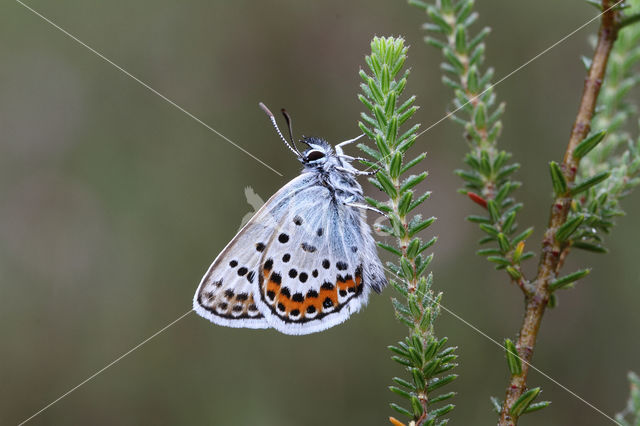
pixel 314 155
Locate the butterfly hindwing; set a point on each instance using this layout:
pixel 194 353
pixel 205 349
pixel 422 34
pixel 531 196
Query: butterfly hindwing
pixel 312 272
pixel 225 295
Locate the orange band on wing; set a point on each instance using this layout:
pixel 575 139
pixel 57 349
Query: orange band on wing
pixel 313 302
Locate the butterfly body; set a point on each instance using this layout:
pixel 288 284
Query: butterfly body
pixel 306 260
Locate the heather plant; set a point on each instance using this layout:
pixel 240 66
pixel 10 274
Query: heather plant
pixel 427 359
pixel 600 167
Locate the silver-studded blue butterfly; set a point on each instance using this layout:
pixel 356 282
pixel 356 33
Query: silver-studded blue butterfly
pixel 306 260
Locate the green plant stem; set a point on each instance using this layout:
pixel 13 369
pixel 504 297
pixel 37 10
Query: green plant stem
pixel 425 358
pixel 554 252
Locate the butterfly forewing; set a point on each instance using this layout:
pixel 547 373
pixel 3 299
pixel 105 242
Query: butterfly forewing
pixel 226 293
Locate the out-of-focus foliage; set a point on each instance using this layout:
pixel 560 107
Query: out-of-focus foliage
pixel 610 165
pixel 488 180
pixel 630 416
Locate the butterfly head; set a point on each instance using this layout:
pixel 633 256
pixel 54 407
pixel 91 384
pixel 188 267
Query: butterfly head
pixel 318 154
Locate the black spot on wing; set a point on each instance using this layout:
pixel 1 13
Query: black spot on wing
pixel 308 247
pixel 276 278
pixel 268 265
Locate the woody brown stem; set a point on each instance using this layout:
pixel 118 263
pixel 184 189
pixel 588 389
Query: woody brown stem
pixel 553 252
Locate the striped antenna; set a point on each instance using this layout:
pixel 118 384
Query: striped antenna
pixel 290 127
pixel 273 121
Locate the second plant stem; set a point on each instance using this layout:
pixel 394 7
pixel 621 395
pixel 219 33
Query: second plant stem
pixel 554 251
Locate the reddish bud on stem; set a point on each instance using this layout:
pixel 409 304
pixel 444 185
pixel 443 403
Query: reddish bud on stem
pixel 477 199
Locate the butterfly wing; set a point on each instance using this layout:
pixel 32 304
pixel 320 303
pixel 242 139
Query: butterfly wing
pixel 226 293
pixel 319 266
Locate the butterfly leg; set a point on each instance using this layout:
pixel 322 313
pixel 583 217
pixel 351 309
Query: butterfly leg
pixel 341 144
pixel 365 173
pixel 366 207
pixel 357 172
pixel 350 158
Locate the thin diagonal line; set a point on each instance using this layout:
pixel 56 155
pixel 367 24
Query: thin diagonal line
pixel 563 39
pixel 145 85
pixel 528 363
pixel 94 375
pixel 518 69
pixel 266 165
pixel 458 109
pixel 482 333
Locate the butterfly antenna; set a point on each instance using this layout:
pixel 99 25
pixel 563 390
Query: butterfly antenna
pixel 273 121
pixel 290 128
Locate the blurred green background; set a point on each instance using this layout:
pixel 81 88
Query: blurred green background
pixel 113 203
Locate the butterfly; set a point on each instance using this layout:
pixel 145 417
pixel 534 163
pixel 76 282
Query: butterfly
pixel 306 260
